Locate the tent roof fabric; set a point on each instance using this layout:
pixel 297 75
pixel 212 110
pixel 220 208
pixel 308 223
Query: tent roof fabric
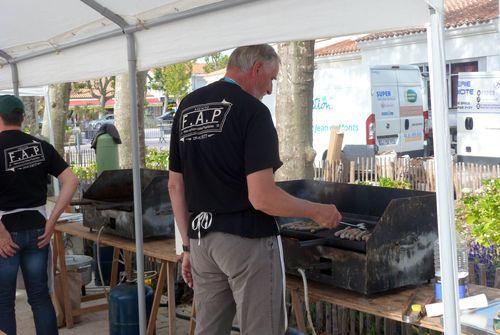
pixel 458 13
pixel 171 31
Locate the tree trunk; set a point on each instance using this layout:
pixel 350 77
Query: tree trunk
pixel 30 115
pixel 59 102
pixel 123 118
pixel 294 98
pixel 102 106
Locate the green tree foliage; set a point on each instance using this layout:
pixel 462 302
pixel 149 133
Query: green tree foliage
pixel 173 80
pixel 215 62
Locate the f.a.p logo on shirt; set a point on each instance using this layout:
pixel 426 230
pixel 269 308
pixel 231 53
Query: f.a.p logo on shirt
pixel 23 156
pixel 203 121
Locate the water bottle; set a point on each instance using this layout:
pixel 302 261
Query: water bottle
pixel 463 269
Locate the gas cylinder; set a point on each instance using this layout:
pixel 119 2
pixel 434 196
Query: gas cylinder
pixel 124 309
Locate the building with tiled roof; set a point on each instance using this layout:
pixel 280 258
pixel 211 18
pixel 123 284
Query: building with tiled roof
pixel 471 41
pixel 339 48
pixel 83 97
pixel 458 14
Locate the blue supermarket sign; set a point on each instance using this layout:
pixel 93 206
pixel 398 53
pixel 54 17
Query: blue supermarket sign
pixel 381 94
pixel 465 91
pixel 464 88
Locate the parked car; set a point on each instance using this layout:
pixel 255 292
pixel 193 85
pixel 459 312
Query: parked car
pixel 167 117
pixel 96 124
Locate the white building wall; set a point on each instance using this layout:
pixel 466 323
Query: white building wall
pixel 462 44
pixel 493 62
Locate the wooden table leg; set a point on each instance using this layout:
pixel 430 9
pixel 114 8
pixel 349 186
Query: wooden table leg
pixel 156 301
pixel 114 268
pixel 128 263
pixel 297 308
pixel 68 313
pixel 192 322
pixel 171 297
pixel 54 256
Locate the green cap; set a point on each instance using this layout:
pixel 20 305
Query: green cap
pixel 10 102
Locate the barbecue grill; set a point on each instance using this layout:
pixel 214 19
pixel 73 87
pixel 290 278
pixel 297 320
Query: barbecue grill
pixel 109 201
pixel 385 240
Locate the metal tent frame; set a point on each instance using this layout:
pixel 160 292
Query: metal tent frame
pixel 436 58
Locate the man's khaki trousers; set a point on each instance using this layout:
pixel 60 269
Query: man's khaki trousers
pixel 233 274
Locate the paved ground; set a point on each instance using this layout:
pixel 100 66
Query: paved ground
pixel 94 324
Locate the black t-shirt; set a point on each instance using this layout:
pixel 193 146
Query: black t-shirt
pixel 221 134
pixel 25 163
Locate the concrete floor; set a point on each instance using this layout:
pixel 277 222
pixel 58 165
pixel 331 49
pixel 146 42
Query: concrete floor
pixel 95 323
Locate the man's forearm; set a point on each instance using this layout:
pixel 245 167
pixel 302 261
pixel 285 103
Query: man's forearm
pixel 277 202
pixel 181 216
pixel 179 205
pixel 70 182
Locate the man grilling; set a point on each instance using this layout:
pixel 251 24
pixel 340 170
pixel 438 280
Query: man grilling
pixel 223 155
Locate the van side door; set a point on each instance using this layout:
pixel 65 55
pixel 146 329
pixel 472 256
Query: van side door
pixel 411 111
pixel 385 107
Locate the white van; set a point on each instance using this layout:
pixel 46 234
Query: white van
pixel 478 117
pixel 379 108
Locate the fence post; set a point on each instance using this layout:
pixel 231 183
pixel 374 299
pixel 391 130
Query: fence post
pixel 352 171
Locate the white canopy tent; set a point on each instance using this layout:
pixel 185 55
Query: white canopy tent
pixel 69 40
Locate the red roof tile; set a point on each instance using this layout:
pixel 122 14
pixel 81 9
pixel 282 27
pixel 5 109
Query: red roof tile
pixel 84 93
pixel 198 68
pixel 339 48
pixel 457 13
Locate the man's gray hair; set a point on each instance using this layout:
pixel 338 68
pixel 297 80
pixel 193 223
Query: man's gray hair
pixel 245 57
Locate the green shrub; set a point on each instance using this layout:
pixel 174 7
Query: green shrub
pixel 388 182
pixel 88 172
pixel 157 159
pixel 478 214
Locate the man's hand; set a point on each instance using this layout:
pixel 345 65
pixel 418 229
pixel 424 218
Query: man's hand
pixel 327 216
pixel 7 246
pixel 44 239
pixel 186 269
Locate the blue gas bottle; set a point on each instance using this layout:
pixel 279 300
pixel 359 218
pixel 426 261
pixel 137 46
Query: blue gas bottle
pixel 124 309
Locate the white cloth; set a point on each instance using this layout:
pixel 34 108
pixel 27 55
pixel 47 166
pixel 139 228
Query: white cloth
pixel 50 263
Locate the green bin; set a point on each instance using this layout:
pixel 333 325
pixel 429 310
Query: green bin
pixel 106 154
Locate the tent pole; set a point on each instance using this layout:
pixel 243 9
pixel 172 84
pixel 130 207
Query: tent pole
pixel 136 169
pixel 132 74
pixel 13 69
pixel 48 110
pixel 444 185
pixel 15 78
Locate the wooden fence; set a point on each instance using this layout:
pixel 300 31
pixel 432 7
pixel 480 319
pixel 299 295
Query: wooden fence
pixel 419 172
pixel 83 157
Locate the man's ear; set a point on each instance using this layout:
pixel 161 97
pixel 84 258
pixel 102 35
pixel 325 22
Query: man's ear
pixel 257 67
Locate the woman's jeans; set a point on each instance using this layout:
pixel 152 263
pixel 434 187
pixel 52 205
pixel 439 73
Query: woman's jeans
pixel 33 263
